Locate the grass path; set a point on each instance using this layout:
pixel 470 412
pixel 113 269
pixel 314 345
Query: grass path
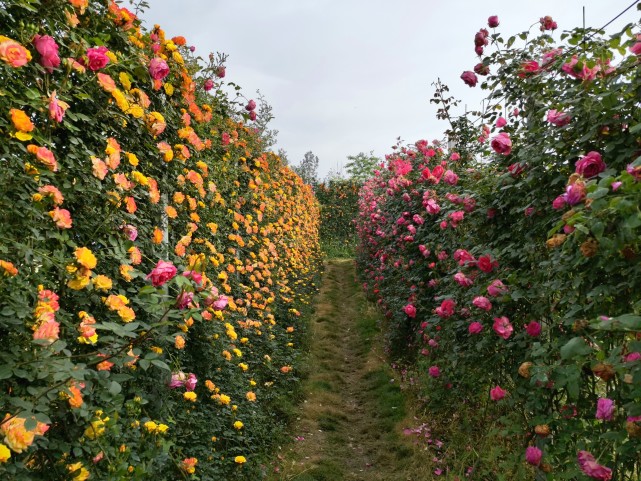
pixel 350 425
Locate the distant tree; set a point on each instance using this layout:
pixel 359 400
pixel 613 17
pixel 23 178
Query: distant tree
pixel 334 175
pixel 264 117
pixel 282 153
pixel 308 168
pixel 361 166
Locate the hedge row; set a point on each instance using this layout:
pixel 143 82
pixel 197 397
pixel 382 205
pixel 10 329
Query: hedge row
pixel 154 258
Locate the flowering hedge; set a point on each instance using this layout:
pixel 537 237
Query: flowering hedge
pixel 509 266
pixel 338 201
pixel 154 259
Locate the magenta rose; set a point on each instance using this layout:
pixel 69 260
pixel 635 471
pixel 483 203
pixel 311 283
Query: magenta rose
pixel 533 455
pixel 446 309
pixel 197 277
pixel 252 115
pixel 469 78
pixel 533 329
pixel 410 310
pixel 48 50
pixel 177 380
pixel 493 21
pixel 163 272
pixel 502 144
pixel 496 393
pixel 591 468
pixel 574 193
pixel 604 409
pixel 184 299
pixel 434 371
pixel 482 303
pixel 475 328
pixel 557 118
pixel 251 105
pixel 503 327
pixel 190 383
pixel 496 288
pixel 591 165
pixel 208 85
pixel 558 203
pixel 97 58
pixel 158 68
pixel 501 122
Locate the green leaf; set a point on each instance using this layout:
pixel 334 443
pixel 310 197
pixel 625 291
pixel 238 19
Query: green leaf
pixel 160 364
pixel 575 347
pixel 600 192
pixel 114 388
pixel 5 371
pixel 635 128
pixel 626 322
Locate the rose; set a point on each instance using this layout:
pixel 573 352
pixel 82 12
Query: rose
pixel 184 299
pixel 220 303
pixel 220 72
pixel 496 393
pixel 410 310
pixel 589 466
pixel 574 193
pixel 503 327
pixel 434 371
pixel 446 309
pixel 48 50
pixel 469 78
pixel 475 328
pixel 97 58
pixel 493 21
pixel 177 380
pixel 591 165
pixel 558 203
pixel 197 277
pixel 636 46
pixel 496 288
pixel 163 272
pixel 251 105
pixel 533 455
pixel 252 115
pixel 190 383
pixel 558 118
pixel 13 53
pixel 158 68
pixel 502 144
pixel 208 85
pixel 501 122
pixel 481 69
pixel 486 264
pixel 547 23
pixel 533 329
pixel 482 303
pixel 604 409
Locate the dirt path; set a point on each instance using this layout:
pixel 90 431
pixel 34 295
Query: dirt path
pixel 350 425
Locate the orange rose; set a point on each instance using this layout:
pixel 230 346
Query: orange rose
pixel 13 53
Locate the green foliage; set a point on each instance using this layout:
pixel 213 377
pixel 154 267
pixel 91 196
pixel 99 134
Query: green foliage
pixel 338 208
pixel 361 166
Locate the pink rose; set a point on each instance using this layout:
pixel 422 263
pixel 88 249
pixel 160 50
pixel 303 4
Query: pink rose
pixel 482 303
pixel 633 356
pixel 463 257
pixel 469 78
pixel 636 47
pixel 208 85
pixel 557 118
pixel 220 303
pixel 454 156
pixel 634 171
pixel 480 38
pixel 591 165
pixel 533 455
pixel 48 50
pixel 97 58
pixel 462 280
pixel 184 299
pixel 530 67
pixel 425 252
pixel 434 371
pixel 590 467
pixel 251 105
pixel 496 288
pixel 501 122
pixel 574 193
pixel 496 393
pixel 197 277
pixel 252 115
pixel 177 380
pixel 220 72
pixel 478 50
pixel 450 178
pixel 493 21
pixel 190 383
pixel 163 272
pixel 410 310
pixel 502 144
pixel 503 327
pixel 533 329
pixel 158 68
pixel 475 328
pixel 604 409
pixel 558 203
pixel 130 231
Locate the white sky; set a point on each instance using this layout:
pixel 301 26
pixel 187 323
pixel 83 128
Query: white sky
pixel 349 76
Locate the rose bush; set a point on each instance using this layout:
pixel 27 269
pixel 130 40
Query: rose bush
pixel 155 259
pixel 524 275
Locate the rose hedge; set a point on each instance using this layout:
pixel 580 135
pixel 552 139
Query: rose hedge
pixel 509 267
pixel 154 259
pixel 338 201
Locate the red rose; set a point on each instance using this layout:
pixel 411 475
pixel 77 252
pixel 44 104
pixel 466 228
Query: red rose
pixel 163 272
pixel 590 165
pixel 469 78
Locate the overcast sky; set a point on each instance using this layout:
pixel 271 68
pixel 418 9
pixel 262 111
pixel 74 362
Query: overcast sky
pixel 349 76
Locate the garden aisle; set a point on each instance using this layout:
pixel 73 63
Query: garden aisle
pixel 350 425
